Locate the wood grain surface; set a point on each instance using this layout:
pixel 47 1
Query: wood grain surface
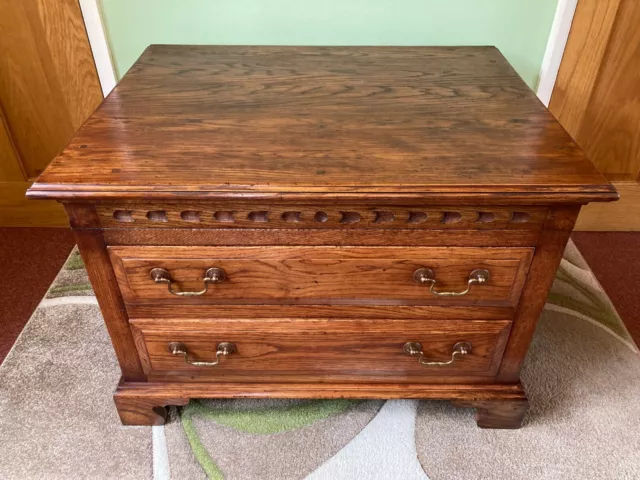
pixel 48 80
pixel 583 56
pixel 333 215
pixel 319 349
pixel 180 391
pixel 597 94
pixel 11 169
pixel 48 88
pixel 143 403
pixel 505 413
pixel 620 216
pixel 18 211
pixel 382 312
pixel 189 120
pixel 542 274
pixel 321 275
pixel 103 280
pixel 334 237
pixel 228 157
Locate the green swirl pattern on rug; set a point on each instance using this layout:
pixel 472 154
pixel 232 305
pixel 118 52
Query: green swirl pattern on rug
pixel 262 438
pixel 256 421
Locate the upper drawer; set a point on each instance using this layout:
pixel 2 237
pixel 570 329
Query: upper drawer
pixel 320 275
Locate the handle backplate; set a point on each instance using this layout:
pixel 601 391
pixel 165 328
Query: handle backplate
pixel 224 349
pixel 212 275
pixel 426 276
pixel 414 349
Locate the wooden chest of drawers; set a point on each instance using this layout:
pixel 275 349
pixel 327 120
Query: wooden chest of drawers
pixel 321 223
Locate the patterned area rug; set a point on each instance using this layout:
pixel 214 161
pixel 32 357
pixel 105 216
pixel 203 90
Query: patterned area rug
pixel 582 374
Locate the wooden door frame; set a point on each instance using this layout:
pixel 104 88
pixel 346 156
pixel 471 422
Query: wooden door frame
pixel 51 86
pixel 589 66
pixel 556 44
pixel 98 40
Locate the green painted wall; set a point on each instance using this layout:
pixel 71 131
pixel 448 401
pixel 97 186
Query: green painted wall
pixel 519 28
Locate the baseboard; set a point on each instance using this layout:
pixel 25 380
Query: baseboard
pixel 620 216
pixel 18 211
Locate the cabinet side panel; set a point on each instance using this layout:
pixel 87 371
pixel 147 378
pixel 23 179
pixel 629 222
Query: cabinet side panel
pixel 94 253
pixel 546 260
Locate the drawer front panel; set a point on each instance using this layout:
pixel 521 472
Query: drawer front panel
pixel 319 349
pixel 319 275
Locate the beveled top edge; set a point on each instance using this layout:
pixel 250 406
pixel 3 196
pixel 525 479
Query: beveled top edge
pixel 484 194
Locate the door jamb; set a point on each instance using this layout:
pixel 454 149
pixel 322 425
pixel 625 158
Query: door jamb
pixel 99 43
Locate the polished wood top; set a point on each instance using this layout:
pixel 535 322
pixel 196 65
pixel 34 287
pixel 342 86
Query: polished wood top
pixel 194 121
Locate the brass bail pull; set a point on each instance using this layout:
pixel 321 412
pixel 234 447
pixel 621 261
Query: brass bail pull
pixel 414 349
pixel 212 275
pixel 426 276
pixel 224 349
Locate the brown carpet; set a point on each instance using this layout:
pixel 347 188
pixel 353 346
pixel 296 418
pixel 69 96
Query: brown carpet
pixel 30 259
pixel 614 258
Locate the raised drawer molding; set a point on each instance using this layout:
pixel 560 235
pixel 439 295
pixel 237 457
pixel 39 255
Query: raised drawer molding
pixel 322 222
pixel 320 275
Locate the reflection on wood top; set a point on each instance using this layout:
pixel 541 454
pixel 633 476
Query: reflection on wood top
pixel 195 121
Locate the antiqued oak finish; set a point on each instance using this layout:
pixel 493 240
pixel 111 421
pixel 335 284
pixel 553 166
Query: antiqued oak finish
pixel 322 222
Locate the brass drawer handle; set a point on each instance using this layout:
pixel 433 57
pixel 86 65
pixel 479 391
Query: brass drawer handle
pixel 224 349
pixel 426 275
pixel 212 275
pixel 414 348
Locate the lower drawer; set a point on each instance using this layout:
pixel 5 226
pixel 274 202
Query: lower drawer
pixel 303 350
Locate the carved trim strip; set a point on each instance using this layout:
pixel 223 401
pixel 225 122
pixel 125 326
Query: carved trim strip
pixel 265 216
